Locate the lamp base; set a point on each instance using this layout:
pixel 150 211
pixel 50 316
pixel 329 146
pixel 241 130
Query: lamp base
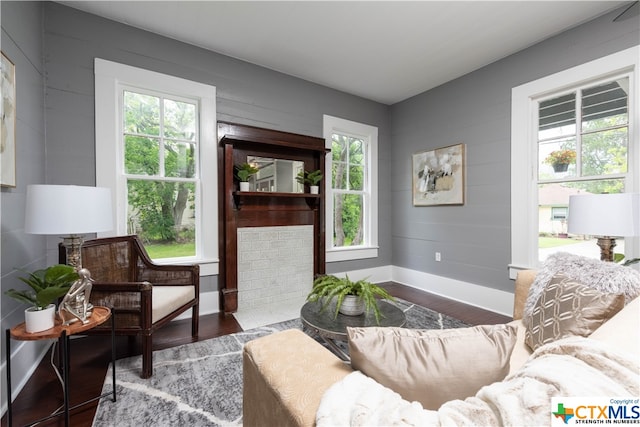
pixel 73 243
pixel 606 248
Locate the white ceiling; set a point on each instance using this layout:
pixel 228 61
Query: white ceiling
pixel 386 51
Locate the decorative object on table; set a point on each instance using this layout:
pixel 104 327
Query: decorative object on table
pixel 561 159
pixel 329 288
pixel 244 172
pixel 8 130
pixel 75 305
pixel 607 216
pixel 47 285
pixel 70 210
pixel 312 179
pixel 438 176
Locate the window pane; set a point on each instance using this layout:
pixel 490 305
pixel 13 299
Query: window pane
pixel 348 224
pixel 339 175
pixel 605 152
pixel 338 148
pixel 356 178
pixel 141 155
pixel 557 158
pixel 557 117
pixel 163 215
pixel 553 202
pixel 356 151
pixel 141 114
pixel 179 120
pixel 179 160
pixel 605 105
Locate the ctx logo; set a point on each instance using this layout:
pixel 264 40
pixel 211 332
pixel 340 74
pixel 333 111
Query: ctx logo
pixel 582 412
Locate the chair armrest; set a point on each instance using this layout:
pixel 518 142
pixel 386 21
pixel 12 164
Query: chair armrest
pixel 133 299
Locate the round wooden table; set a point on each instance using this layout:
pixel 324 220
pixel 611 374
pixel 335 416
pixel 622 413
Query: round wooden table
pixel 61 332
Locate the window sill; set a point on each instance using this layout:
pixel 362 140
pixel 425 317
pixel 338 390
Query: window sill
pixel 208 267
pixel 350 254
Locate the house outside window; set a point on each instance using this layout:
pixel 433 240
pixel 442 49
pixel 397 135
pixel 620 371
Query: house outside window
pixel 154 133
pixel 574 132
pixel 351 188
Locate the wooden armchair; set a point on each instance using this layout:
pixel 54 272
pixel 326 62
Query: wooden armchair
pixel 144 296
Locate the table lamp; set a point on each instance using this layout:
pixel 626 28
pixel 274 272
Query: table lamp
pixel 606 216
pixel 70 211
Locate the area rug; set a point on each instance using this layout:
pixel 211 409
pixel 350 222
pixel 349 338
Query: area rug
pixel 200 384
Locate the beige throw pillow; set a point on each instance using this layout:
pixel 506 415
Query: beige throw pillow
pixel 566 307
pixel 433 366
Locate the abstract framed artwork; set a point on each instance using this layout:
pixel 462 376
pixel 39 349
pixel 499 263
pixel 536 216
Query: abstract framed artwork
pixel 438 176
pixel 8 130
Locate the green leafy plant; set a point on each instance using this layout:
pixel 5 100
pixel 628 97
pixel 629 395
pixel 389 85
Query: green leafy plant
pixel 244 171
pixel 309 178
pixel 561 157
pixel 619 258
pixel 327 288
pixel 46 285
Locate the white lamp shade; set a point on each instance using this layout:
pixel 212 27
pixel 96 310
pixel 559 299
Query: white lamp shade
pixel 67 209
pixel 612 215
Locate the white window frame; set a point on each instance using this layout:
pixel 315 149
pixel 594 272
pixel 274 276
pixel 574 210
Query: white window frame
pixel 524 145
pixel 369 134
pixel 110 79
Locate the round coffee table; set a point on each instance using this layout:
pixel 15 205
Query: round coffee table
pixel 330 329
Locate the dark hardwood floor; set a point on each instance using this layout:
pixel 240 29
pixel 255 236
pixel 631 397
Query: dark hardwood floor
pixel 90 356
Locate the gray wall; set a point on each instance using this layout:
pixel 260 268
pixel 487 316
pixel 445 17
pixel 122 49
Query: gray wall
pixel 22 44
pixel 246 94
pixel 474 239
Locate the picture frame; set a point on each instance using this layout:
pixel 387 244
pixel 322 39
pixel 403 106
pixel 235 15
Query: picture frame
pixel 438 176
pixel 8 125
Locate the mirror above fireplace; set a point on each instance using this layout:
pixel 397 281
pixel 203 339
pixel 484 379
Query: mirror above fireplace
pixel 275 175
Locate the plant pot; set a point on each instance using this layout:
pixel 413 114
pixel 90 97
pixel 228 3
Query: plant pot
pixel 560 167
pixel 314 189
pixel 244 185
pixel 352 306
pixel 39 320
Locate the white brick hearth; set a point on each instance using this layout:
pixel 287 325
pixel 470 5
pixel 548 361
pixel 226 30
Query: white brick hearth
pixel 275 273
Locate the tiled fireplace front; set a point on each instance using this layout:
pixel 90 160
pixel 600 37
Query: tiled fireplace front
pixel 275 265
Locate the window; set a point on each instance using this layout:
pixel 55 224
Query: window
pixel 352 202
pixel 572 133
pixel 156 150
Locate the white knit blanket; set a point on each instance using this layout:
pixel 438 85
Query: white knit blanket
pixel 569 367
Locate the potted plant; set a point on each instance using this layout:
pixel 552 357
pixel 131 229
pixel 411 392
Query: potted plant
pixel 352 298
pixel 561 159
pixel 311 179
pixel 245 171
pixel 47 286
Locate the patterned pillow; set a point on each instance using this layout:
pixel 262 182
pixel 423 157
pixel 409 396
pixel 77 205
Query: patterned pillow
pixel 565 308
pixel 599 275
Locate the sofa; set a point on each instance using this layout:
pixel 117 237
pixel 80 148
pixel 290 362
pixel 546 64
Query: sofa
pixel 291 380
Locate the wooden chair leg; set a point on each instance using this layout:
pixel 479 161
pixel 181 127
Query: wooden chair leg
pixel 195 317
pixel 147 356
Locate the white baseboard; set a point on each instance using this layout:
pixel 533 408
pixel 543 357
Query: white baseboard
pixel 479 296
pixel 25 358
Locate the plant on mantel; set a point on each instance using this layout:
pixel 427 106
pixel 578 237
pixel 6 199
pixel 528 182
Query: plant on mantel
pixel 244 171
pixel 309 178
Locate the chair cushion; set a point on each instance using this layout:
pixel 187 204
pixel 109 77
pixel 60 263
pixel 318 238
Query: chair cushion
pixel 567 307
pixel 166 299
pixel 433 366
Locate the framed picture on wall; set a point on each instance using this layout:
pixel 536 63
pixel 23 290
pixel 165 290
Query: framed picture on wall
pixel 438 176
pixel 8 113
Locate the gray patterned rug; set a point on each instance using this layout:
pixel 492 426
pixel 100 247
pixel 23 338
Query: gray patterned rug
pixel 200 384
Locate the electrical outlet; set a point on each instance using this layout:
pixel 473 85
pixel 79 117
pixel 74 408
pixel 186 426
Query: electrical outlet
pixel 438 256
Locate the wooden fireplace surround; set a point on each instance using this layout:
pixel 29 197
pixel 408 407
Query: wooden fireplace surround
pixel 264 209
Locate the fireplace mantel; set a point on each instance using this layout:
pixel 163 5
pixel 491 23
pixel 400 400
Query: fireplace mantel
pixel 264 209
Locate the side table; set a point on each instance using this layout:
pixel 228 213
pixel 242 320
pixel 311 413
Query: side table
pixel 330 329
pixel 98 317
